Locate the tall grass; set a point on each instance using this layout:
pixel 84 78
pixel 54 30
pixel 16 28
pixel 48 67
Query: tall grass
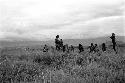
pixel 59 67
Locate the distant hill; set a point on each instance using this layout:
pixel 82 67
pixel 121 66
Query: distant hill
pixel 85 42
pixel 98 40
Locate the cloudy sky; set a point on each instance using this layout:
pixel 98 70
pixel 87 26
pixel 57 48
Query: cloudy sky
pixel 44 19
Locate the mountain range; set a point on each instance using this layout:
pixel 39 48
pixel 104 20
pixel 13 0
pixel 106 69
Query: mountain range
pixel 75 42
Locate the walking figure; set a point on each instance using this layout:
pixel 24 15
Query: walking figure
pixel 57 43
pixel 103 47
pixel 113 41
pixel 80 48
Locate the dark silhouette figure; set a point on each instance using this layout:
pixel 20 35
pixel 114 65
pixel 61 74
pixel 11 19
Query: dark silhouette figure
pixel 45 49
pixel 113 41
pixel 103 47
pixel 61 44
pixel 80 48
pixel 57 43
pixel 72 48
pixel 95 48
pixel 91 48
pixel 64 48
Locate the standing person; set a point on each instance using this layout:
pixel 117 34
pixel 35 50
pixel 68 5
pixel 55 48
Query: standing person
pixel 80 48
pixel 57 43
pixel 103 47
pixel 113 41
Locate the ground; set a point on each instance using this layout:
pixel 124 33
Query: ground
pixel 29 64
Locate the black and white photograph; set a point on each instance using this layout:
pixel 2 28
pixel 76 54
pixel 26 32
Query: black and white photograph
pixel 62 41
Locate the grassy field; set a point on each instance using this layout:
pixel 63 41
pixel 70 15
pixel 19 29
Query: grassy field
pixel 22 65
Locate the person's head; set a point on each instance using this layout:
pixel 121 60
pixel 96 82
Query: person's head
pixel 57 36
pixel 95 44
pixel 103 44
pixel 91 44
pixel 113 34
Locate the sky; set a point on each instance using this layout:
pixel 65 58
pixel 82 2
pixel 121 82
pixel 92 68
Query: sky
pixel 71 19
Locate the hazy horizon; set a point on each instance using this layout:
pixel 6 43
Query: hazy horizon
pixel 71 19
pixel 30 39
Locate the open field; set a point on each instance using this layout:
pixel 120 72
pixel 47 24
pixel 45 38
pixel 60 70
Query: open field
pixel 22 65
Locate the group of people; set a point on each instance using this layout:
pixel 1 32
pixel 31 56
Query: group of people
pixel 93 47
pixel 58 43
pixel 61 47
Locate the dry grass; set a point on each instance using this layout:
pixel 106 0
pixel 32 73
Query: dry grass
pixel 18 65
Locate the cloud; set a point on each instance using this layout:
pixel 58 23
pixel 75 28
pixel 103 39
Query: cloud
pixel 97 27
pixel 42 19
pixel 89 29
pixel 107 10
